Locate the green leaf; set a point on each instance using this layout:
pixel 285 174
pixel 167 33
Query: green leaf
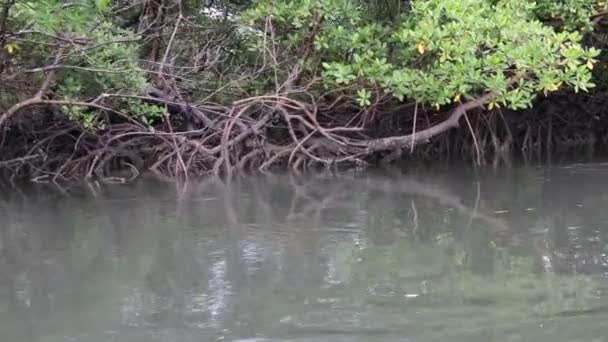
pixel 102 5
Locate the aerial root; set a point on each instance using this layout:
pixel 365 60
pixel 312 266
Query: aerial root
pixel 261 132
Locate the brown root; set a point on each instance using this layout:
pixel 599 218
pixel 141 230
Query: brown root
pixel 259 133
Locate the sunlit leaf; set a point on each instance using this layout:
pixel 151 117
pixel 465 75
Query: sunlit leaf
pixel 421 48
pixel 102 5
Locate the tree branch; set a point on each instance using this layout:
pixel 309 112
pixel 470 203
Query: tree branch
pixel 4 16
pixel 37 99
pixel 423 136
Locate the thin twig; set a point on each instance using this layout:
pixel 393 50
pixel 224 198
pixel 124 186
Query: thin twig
pixel 478 152
pixel 414 129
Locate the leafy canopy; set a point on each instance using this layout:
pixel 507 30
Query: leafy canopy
pixel 435 52
pixel 89 53
pixel 438 52
pixel 570 14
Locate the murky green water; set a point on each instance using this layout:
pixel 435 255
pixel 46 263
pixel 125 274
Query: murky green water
pixel 515 255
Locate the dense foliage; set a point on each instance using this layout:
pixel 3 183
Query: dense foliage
pixel 439 52
pixel 103 62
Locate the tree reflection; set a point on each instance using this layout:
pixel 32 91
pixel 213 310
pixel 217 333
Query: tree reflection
pixel 284 255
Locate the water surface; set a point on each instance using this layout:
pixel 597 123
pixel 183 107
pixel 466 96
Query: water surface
pixel 447 255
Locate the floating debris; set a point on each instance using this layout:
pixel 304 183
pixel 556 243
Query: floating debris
pixel 501 211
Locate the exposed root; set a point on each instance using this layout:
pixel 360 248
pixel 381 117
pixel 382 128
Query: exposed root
pixel 261 132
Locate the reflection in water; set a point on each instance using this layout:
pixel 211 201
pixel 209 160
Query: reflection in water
pixel 515 255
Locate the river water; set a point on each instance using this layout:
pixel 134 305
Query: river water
pixel 444 255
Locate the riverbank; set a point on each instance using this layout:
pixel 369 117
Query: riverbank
pixel 262 135
pixel 184 90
